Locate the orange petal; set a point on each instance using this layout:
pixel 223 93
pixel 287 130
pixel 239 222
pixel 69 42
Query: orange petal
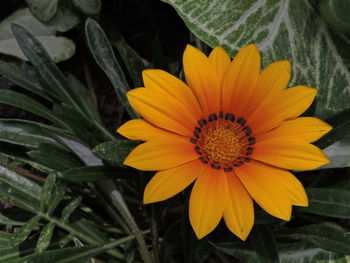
pixel 239 212
pixel 160 109
pixel 270 195
pixel 160 154
pixel 294 188
pixel 159 80
pixel 240 80
pixel 289 154
pixel 167 183
pixel 308 129
pixel 202 79
pixel 274 78
pixel 208 201
pixel 141 130
pixel 287 104
pixel 221 62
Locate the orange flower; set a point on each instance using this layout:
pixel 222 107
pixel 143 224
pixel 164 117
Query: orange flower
pixel 233 130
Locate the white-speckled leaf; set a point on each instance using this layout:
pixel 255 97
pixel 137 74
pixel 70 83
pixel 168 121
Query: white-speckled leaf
pixel 289 29
pixel 43 9
pixel 59 48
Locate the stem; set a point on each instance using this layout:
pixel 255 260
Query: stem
pixel 119 204
pixel 155 236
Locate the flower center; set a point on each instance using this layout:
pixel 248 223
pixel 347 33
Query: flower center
pixel 222 141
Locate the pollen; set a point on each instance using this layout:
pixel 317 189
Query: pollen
pixel 223 143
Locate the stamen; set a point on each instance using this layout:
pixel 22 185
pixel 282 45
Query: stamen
pixel 228 169
pixel 238 164
pixel 223 143
pixel 217 167
pixel 197 132
pixel 203 160
pixel 249 150
pixel 229 117
pixel 213 117
pixel 202 122
pixel 248 130
pixel 198 150
pixel 251 140
pixel 241 121
pixel 194 141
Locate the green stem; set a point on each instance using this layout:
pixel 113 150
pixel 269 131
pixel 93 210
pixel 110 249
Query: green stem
pixel 111 189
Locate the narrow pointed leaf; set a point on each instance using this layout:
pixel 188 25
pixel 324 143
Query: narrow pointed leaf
pixel 103 53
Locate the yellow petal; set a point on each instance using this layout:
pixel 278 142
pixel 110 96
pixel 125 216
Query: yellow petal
pixel 167 183
pixel 294 188
pixel 287 104
pixel 202 79
pixel 270 195
pixel 274 78
pixel 289 154
pixel 142 131
pixel 159 80
pixel 160 154
pixel 221 61
pixel 240 80
pixel 307 129
pixel 239 212
pixel 161 110
pixel 208 201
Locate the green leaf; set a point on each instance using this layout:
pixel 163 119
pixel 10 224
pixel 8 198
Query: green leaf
pixel 94 173
pixel 4 220
pixel 23 233
pixel 131 59
pixel 336 14
pixel 68 210
pixel 25 136
pixel 45 237
pixel 86 99
pixel 72 255
pixel 64 19
pixel 103 53
pixel 19 153
pixel 328 202
pixel 59 48
pixel 26 103
pixel 327 236
pixel 88 7
pixel 264 243
pixel 38 125
pixel 46 68
pixel 47 191
pixel 23 79
pixel 300 252
pixel 18 190
pixel 115 152
pixel 291 30
pixel 341 127
pixel 43 9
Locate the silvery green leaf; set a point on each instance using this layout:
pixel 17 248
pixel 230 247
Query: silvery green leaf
pixel 43 9
pixel 339 153
pixel 88 7
pixel 59 48
pixel 291 30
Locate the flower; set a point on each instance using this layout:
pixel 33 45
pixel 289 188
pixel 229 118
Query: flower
pixel 232 130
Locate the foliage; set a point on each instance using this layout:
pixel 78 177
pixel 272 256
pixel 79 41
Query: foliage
pixel 69 198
